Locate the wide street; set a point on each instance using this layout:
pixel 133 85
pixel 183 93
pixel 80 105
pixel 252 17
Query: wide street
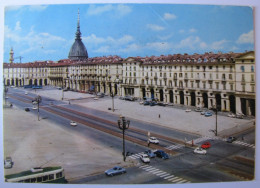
pixel 101 141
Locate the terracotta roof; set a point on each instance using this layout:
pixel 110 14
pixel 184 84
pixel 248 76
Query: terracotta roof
pixel 206 58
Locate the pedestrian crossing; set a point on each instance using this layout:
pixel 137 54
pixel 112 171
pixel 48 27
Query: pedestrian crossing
pixel 172 147
pixel 244 144
pixel 136 156
pixel 164 175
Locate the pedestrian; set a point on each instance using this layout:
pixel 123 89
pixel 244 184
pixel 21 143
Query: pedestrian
pixel 69 101
pixel 159 116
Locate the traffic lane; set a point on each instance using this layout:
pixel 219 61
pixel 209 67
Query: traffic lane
pixel 133 175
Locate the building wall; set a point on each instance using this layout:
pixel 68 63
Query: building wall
pixel 227 84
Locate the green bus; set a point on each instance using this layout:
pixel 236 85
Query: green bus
pixel 39 175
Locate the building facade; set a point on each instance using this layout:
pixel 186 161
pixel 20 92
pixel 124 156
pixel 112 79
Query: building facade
pixel 203 80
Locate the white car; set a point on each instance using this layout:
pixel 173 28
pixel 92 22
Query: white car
pixel 73 123
pixel 8 163
pixel 200 151
pixel 188 110
pixel 145 158
pixel 231 115
pixel 34 108
pixel 35 102
pixel 26 93
pixel 153 140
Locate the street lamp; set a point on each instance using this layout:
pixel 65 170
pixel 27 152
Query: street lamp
pixel 5 90
pixel 123 124
pixel 38 99
pixel 112 95
pixel 216 110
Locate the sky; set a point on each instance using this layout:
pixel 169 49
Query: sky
pixel 47 32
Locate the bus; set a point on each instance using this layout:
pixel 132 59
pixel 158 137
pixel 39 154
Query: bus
pixel 38 175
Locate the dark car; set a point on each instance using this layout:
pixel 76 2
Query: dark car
pixel 27 109
pixel 152 103
pixel 161 154
pixel 161 104
pixel 146 103
pixel 231 139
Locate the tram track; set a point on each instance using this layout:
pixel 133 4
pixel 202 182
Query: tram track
pixel 73 116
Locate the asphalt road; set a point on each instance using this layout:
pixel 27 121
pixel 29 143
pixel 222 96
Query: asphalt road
pixel 223 161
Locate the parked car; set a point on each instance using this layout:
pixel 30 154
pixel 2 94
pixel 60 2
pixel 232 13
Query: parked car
pixel 161 154
pixel 161 104
pixel 146 103
pixel 152 103
pixel 8 163
pixel 26 93
pixel 188 110
pixel 231 139
pixel 198 109
pixel 200 151
pixel 73 123
pixel 153 140
pixel 231 115
pixel 122 98
pixel 100 95
pixel 145 158
pixel 150 153
pixel 205 145
pixel 129 98
pixel 239 115
pixel 203 112
pixel 114 171
pixel 207 114
pixel 27 109
pixel 34 108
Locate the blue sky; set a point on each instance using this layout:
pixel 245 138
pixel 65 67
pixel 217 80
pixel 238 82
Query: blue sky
pixel 46 32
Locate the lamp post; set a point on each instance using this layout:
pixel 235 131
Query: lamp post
pixel 123 124
pixel 112 95
pixel 38 99
pixel 216 110
pixel 5 90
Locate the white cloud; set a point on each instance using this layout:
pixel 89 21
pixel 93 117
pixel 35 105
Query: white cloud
pixel 192 30
pixel 182 31
pixel 97 9
pixel 155 27
pixel 123 9
pixel 18 26
pixel 169 16
pixel 219 45
pixel 246 38
pixel 93 39
pixel 33 42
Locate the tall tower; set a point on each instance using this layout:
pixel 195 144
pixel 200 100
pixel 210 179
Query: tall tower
pixel 78 50
pixel 11 56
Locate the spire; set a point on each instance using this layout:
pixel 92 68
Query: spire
pixel 78 33
pixel 11 55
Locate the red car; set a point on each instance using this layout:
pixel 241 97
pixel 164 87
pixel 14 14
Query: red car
pixel 206 145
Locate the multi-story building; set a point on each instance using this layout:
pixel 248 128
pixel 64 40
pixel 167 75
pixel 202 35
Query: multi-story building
pixel 222 80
